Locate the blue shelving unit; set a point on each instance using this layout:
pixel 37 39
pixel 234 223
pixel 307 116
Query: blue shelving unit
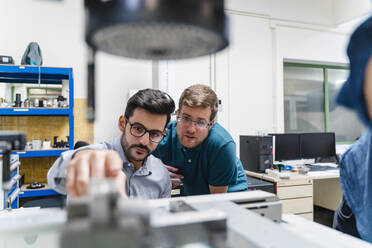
pixel 35 111
pixel 42 75
pixel 38 193
pixel 41 153
pixel 46 75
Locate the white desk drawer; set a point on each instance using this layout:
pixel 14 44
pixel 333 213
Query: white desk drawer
pixel 295 191
pixel 297 206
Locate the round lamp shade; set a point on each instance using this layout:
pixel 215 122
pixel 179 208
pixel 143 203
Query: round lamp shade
pixel 156 29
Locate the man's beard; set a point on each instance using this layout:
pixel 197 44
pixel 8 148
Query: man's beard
pixel 127 149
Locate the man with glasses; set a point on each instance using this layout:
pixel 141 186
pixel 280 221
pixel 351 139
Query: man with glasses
pixel 197 150
pixel 127 158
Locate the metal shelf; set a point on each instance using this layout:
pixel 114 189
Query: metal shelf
pixel 41 153
pixel 30 74
pixel 35 111
pixel 37 193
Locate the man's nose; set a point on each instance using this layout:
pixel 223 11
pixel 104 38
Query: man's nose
pixel 191 128
pixel 145 139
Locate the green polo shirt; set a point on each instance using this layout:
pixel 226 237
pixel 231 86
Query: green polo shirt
pixel 213 162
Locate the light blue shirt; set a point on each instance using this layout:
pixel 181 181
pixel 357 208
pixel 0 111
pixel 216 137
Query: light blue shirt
pixel 356 163
pixel 151 181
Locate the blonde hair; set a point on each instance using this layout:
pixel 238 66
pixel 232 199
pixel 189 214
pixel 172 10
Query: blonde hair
pixel 199 95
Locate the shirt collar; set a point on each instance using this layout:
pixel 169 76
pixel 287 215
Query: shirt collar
pixel 145 169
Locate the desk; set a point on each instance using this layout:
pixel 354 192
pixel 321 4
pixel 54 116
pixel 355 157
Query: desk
pixel 300 193
pixel 327 189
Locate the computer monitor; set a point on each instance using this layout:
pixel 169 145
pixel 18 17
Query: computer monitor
pixel 287 146
pixel 315 145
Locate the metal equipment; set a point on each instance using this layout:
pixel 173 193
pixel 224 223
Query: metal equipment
pixel 9 140
pixel 104 219
pixel 243 219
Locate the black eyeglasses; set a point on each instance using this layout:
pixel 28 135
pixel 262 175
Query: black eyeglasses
pixel 138 130
pixel 188 121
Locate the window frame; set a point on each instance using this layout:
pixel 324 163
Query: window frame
pixel 325 68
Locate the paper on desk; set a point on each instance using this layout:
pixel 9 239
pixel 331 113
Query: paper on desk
pixel 326 164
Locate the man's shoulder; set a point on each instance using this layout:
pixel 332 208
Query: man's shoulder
pixel 218 136
pixel 156 165
pixel 359 151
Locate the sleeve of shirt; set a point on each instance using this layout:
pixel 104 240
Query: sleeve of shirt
pixel 57 173
pixel 168 189
pixel 222 170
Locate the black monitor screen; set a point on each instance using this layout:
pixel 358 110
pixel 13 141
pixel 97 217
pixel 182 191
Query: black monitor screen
pixel 287 146
pixel 314 145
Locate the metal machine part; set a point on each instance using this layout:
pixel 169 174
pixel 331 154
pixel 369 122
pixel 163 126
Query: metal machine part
pixel 60 144
pixel 9 140
pixel 105 219
pixel 196 221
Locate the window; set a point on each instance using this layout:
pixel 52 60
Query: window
pixel 309 101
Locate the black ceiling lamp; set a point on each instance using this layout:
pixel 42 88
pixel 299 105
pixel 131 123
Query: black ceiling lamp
pixel 153 29
pixel 156 29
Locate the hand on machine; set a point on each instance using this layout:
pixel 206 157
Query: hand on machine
pixel 97 164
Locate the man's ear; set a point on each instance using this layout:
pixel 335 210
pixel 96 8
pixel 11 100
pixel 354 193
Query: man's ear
pixel 121 123
pixel 211 125
pixel 367 87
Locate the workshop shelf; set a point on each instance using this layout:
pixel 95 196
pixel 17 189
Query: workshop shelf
pixel 31 77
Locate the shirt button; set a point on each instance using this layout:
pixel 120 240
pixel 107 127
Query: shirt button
pixel 189 160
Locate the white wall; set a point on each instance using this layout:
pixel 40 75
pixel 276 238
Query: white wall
pixel 175 76
pixel 250 77
pixel 115 77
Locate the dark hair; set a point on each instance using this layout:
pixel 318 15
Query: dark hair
pixel 154 101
